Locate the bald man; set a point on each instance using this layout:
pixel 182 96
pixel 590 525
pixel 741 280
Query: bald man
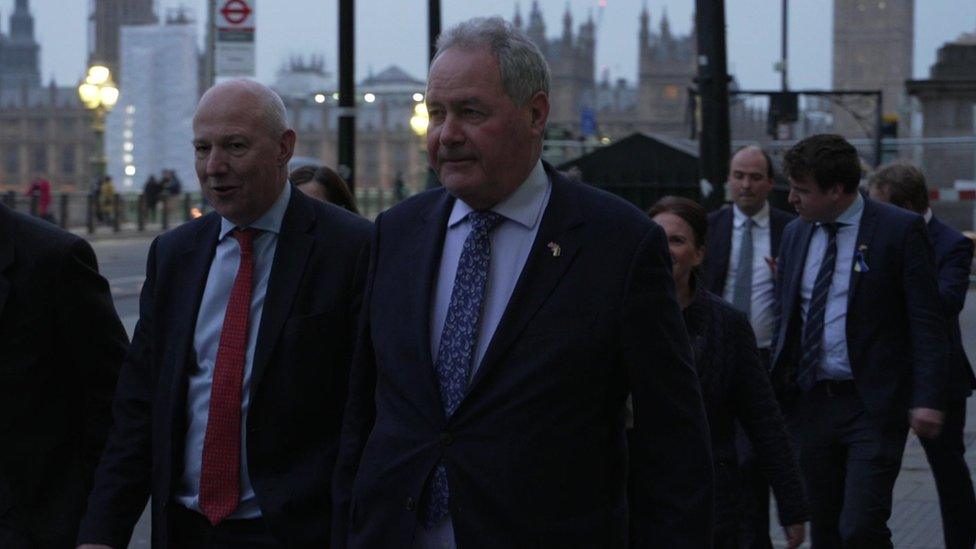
pixel 228 406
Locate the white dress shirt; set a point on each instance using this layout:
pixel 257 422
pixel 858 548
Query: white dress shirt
pixel 206 337
pixel 762 314
pixel 511 242
pixel 834 363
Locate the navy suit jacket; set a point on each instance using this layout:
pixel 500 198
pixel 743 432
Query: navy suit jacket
pixel 536 454
pixel 298 380
pixel 896 335
pixel 61 347
pixel 719 243
pixel 953 259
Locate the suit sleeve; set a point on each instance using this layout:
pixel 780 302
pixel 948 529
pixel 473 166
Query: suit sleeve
pixel 95 340
pixel 671 473
pixel 360 410
pixel 123 477
pixel 954 276
pixel 757 410
pixel 926 323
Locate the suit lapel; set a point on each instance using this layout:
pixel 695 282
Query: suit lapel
pixel 6 253
pixel 792 293
pixel 191 268
pixel 287 267
pixel 541 273
pixel 426 256
pixel 865 234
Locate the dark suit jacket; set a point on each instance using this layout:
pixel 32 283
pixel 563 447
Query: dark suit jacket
pixel 896 335
pixel 719 243
pixel 61 346
pixel 536 453
pixel 953 259
pixel 298 380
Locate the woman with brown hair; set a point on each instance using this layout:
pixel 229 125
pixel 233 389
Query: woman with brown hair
pixel 735 385
pixel 323 183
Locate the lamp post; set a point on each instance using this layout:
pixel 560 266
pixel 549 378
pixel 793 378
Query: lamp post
pixel 99 94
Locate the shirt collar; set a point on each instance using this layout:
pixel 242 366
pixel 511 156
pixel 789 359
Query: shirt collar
pixel 928 215
pixel 270 221
pixel 852 215
pixel 761 219
pixel 524 206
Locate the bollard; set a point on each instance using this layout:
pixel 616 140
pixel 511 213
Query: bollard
pixel 116 212
pixel 141 213
pixel 165 205
pixel 63 206
pixel 91 214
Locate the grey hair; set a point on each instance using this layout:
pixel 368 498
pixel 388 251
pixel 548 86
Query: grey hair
pixel 271 113
pixel 524 70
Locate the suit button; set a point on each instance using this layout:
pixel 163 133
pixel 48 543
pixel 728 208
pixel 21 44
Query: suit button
pixel 446 439
pixel 409 504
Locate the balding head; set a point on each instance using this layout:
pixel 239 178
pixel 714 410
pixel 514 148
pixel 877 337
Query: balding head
pixel 750 179
pixel 243 145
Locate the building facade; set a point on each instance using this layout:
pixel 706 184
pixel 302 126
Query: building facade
pixel 44 130
pixel 106 18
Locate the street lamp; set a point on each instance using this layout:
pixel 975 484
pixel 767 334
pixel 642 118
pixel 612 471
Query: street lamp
pixel 99 94
pixel 419 121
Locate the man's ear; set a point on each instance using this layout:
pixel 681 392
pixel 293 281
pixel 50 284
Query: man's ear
pixel 539 112
pixel 286 146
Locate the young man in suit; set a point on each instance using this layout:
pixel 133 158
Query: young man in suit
pixel 61 346
pixel 742 242
pixel 904 186
pixel 487 400
pixel 860 347
pixel 229 403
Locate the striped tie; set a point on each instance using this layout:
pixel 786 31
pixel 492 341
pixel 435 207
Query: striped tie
pixel 813 328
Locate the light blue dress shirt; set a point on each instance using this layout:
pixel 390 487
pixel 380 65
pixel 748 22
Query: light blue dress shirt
pixel 835 362
pixel 210 322
pixel 763 309
pixel 511 242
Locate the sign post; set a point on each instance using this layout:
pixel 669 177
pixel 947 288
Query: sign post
pixel 234 38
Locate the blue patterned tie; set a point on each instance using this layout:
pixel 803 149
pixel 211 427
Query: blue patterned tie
pixel 813 328
pixel 457 344
pixel 742 292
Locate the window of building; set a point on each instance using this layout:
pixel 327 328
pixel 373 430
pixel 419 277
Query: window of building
pixel 39 158
pixel 11 161
pixel 68 160
pixel 40 126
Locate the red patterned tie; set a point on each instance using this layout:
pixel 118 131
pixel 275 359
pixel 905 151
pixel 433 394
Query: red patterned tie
pixel 220 471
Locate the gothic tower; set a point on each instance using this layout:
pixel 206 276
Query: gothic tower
pixel 666 68
pixel 105 20
pixel 19 52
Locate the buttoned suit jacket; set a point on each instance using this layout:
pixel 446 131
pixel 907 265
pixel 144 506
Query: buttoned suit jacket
pixel 61 347
pixel 896 334
pixel 298 378
pixel 953 261
pixel 536 452
pixel 719 243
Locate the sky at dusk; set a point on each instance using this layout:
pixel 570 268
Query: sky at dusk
pixel 394 32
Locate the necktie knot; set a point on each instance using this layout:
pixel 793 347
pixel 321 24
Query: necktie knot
pixel 484 222
pixel 831 228
pixel 245 238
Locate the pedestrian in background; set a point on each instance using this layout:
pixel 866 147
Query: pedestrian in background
pixel 150 192
pixel 860 351
pixel 106 200
pixel 904 186
pixel 735 386
pixel 40 190
pixel 322 183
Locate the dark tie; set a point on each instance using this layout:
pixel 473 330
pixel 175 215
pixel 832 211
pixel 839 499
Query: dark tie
pixel 742 293
pixel 458 339
pixel 221 466
pixel 813 328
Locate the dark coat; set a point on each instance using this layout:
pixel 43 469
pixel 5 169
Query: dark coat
pixel 61 347
pixel 953 259
pixel 535 453
pixel 736 388
pixel 298 379
pixel 896 333
pixel 718 242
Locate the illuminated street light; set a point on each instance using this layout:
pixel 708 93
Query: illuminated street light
pixel 369 97
pixel 98 92
pixel 419 121
pixel 418 97
pixel 320 98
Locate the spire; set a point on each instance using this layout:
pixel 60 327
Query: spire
pixel 665 25
pixel 645 27
pixel 21 22
pixel 517 20
pixel 537 28
pixel 567 24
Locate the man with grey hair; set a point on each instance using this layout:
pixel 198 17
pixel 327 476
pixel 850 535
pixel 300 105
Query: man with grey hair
pixel 228 406
pixel 487 396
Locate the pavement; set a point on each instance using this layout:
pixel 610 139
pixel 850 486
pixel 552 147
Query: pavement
pixel 915 521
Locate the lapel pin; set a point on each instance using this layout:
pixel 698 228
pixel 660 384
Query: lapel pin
pixel 555 249
pixel 860 261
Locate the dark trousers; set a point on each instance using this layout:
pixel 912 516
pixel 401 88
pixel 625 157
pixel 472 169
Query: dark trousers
pixel 189 529
pixel 754 498
pixel 946 454
pixel 849 464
